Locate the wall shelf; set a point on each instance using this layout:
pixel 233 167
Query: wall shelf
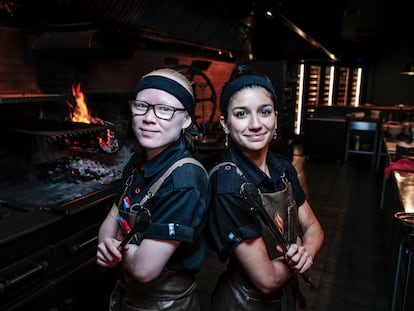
pixel 29 98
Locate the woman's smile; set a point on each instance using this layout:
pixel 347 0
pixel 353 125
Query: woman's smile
pixel 256 137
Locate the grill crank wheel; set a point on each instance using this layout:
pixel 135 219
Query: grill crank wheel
pixel 205 95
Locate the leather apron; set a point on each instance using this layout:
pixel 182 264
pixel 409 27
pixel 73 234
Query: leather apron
pixel 173 291
pixel 235 292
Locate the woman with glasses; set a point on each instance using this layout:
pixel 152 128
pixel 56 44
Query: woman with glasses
pixel 266 247
pixel 158 265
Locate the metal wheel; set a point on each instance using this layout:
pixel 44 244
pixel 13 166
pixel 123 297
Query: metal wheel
pixel 205 96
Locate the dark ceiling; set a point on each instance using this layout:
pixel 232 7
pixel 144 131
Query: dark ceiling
pixel 350 29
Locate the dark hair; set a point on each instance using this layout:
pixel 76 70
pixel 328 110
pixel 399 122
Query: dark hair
pixel 242 77
pixel 242 70
pixel 178 85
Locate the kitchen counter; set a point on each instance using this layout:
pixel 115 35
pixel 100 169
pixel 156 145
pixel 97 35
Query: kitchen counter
pixel 402 239
pixel 48 257
pixel 405 184
pixel 398 199
pixel 403 179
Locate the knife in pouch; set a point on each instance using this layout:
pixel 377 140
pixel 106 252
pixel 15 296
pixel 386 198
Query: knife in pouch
pixel 250 193
pixel 141 224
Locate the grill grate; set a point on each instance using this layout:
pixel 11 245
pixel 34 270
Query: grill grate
pixel 57 130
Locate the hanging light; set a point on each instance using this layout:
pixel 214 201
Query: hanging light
pixel 408 70
pixel 269 14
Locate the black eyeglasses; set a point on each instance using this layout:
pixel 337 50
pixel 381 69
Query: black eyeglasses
pixel 161 111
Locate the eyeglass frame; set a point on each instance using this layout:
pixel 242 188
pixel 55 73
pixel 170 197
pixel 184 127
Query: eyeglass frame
pixel 133 101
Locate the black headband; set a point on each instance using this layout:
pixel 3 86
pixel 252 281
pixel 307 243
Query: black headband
pixel 239 83
pixel 170 86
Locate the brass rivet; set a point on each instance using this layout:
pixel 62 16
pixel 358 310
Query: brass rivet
pixel 137 190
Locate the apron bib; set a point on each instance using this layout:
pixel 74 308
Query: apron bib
pixel 235 292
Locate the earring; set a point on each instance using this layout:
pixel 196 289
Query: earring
pixel 275 135
pixel 226 141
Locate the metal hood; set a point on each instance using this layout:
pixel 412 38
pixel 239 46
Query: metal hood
pixel 228 29
pixel 209 27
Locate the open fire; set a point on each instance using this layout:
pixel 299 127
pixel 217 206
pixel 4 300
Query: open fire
pixel 81 113
pixel 83 150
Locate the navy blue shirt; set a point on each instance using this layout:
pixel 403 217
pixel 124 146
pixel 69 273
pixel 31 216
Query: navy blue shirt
pixel 230 220
pixel 178 209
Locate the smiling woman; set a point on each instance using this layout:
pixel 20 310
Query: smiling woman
pixel 261 274
pixel 162 119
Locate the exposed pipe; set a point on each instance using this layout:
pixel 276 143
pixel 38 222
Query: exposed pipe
pixel 307 37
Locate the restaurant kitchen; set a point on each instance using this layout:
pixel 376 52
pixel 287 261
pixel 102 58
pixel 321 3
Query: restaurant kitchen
pixel 66 136
pixel 58 173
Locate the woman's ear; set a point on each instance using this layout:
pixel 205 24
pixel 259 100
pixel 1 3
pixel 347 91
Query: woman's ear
pixel 187 122
pixel 223 124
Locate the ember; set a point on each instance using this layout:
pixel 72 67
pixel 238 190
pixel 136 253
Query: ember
pixel 77 169
pixel 53 183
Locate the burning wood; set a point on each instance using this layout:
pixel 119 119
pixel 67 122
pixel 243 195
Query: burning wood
pixel 80 112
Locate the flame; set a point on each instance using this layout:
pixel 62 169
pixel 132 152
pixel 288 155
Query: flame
pixel 110 142
pixel 80 112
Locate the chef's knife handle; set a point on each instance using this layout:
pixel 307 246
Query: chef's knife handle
pixel 250 193
pixel 141 224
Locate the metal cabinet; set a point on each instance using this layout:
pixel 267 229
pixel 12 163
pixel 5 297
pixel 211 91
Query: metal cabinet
pixel 324 138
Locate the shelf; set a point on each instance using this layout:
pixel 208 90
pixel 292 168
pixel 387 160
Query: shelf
pixel 360 152
pixel 29 98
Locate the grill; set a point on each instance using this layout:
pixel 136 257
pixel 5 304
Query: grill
pixel 57 183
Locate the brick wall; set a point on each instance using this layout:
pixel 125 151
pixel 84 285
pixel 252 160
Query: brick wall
pixel 21 73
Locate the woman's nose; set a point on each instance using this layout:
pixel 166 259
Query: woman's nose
pixel 150 114
pixel 255 120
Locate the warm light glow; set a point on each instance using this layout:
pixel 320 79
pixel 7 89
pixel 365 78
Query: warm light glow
pixel 407 200
pixel 358 87
pixel 408 70
pixel 80 112
pixel 331 85
pixel 299 102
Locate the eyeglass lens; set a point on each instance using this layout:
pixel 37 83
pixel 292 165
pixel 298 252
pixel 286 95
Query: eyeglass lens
pixel 161 111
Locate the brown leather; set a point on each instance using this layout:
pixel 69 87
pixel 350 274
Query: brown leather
pixel 173 291
pixel 236 292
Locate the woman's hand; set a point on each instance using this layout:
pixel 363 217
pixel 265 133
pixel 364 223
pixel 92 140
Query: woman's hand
pixel 108 254
pixel 298 258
